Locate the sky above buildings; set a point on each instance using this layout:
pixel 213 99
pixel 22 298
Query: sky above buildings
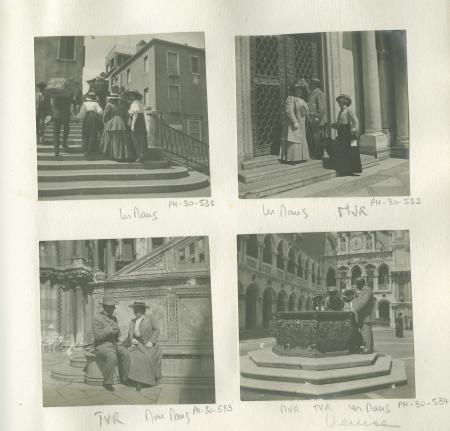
pixel 98 46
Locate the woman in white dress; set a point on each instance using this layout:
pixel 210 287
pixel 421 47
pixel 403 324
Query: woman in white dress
pixel 294 148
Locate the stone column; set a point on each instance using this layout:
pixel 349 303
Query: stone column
pixel 309 278
pixel 386 87
pixel 95 257
pixel 243 99
pixel 260 246
pixel 110 258
pixel 373 140
pixel 68 316
pixel 346 243
pixel 154 151
pixel 79 315
pixel 400 75
pixel 372 234
pixel 274 261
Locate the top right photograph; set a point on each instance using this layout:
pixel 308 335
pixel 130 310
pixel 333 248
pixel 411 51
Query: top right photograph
pixel 323 115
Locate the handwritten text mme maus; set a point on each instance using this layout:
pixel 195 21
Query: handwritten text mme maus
pixel 283 212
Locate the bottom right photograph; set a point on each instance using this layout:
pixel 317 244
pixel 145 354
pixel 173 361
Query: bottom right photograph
pixel 325 315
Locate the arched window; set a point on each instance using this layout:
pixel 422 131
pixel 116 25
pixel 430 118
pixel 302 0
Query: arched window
pixel 300 304
pixel 291 261
pixel 251 299
pixel 370 275
pixel 300 267
pixel 292 301
pixel 331 277
pixel 313 273
pixel 252 246
pixel 268 306
pixel 267 252
pixel 356 273
pixel 282 301
pixel 383 274
pixel 280 257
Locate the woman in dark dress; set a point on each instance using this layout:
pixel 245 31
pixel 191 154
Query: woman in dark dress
pixel 345 158
pixel 399 326
pixel 116 140
pixel 145 353
pixel 138 129
pixel 90 114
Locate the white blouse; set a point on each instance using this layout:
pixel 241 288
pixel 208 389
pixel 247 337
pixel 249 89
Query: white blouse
pixel 136 107
pixel 137 331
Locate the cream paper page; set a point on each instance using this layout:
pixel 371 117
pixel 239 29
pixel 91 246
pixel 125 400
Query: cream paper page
pixel 416 221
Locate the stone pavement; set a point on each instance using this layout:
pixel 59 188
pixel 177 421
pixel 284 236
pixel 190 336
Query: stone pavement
pixel 387 343
pixel 389 178
pixel 62 394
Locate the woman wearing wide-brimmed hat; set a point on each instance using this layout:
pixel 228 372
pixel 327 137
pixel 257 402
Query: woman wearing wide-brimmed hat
pixel 90 114
pixel 345 158
pixel 116 140
pixel 138 129
pixel 145 353
pixel 294 147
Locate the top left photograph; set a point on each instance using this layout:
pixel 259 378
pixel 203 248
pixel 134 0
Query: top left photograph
pixel 121 116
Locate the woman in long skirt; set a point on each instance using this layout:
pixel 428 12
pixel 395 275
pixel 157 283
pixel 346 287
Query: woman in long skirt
pixel 345 158
pixel 138 129
pixel 116 140
pixel 90 114
pixel 294 147
pixel 145 353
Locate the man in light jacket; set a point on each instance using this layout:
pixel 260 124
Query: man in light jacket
pixel 317 119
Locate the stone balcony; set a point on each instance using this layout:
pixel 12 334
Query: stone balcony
pixel 278 274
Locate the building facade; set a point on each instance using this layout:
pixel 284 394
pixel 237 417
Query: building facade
pixel 59 57
pixel 285 272
pixel 170 274
pixel 279 272
pixel 172 79
pixel 369 66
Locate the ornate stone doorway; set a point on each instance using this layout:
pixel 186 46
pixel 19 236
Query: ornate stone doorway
pixel 275 63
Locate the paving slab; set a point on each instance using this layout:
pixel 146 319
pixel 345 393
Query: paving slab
pixel 397 376
pixel 380 367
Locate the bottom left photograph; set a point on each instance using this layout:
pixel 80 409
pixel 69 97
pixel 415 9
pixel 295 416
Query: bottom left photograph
pixel 126 321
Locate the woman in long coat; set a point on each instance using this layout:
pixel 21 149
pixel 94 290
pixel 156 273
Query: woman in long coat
pixel 345 158
pixel 138 129
pixel 294 147
pixel 90 114
pixel 145 353
pixel 116 140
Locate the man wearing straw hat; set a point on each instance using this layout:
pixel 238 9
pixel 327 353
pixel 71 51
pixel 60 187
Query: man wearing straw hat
pixel 109 353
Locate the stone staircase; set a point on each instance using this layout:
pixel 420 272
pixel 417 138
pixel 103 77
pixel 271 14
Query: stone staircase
pixel 323 377
pixel 73 176
pixel 265 176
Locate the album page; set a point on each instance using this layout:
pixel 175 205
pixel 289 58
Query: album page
pixel 225 215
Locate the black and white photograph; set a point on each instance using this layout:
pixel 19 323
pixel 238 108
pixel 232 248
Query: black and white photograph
pixel 126 321
pixel 322 114
pixel 121 116
pixel 325 315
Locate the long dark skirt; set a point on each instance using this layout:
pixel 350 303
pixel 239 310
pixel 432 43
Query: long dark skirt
pixel 115 142
pixel 91 133
pixel 139 136
pixel 145 364
pixel 346 159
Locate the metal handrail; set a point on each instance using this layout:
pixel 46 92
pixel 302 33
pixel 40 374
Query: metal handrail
pixel 184 148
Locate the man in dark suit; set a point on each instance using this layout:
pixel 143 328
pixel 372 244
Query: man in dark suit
pixel 364 307
pixel 61 118
pixel 109 352
pixel 317 119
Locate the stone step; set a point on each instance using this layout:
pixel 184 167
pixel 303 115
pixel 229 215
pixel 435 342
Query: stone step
pixel 267 358
pixel 380 367
pixel 66 165
pixel 260 161
pixel 292 180
pixel 44 149
pixel 276 170
pixel 68 189
pixel 111 175
pixel 397 376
